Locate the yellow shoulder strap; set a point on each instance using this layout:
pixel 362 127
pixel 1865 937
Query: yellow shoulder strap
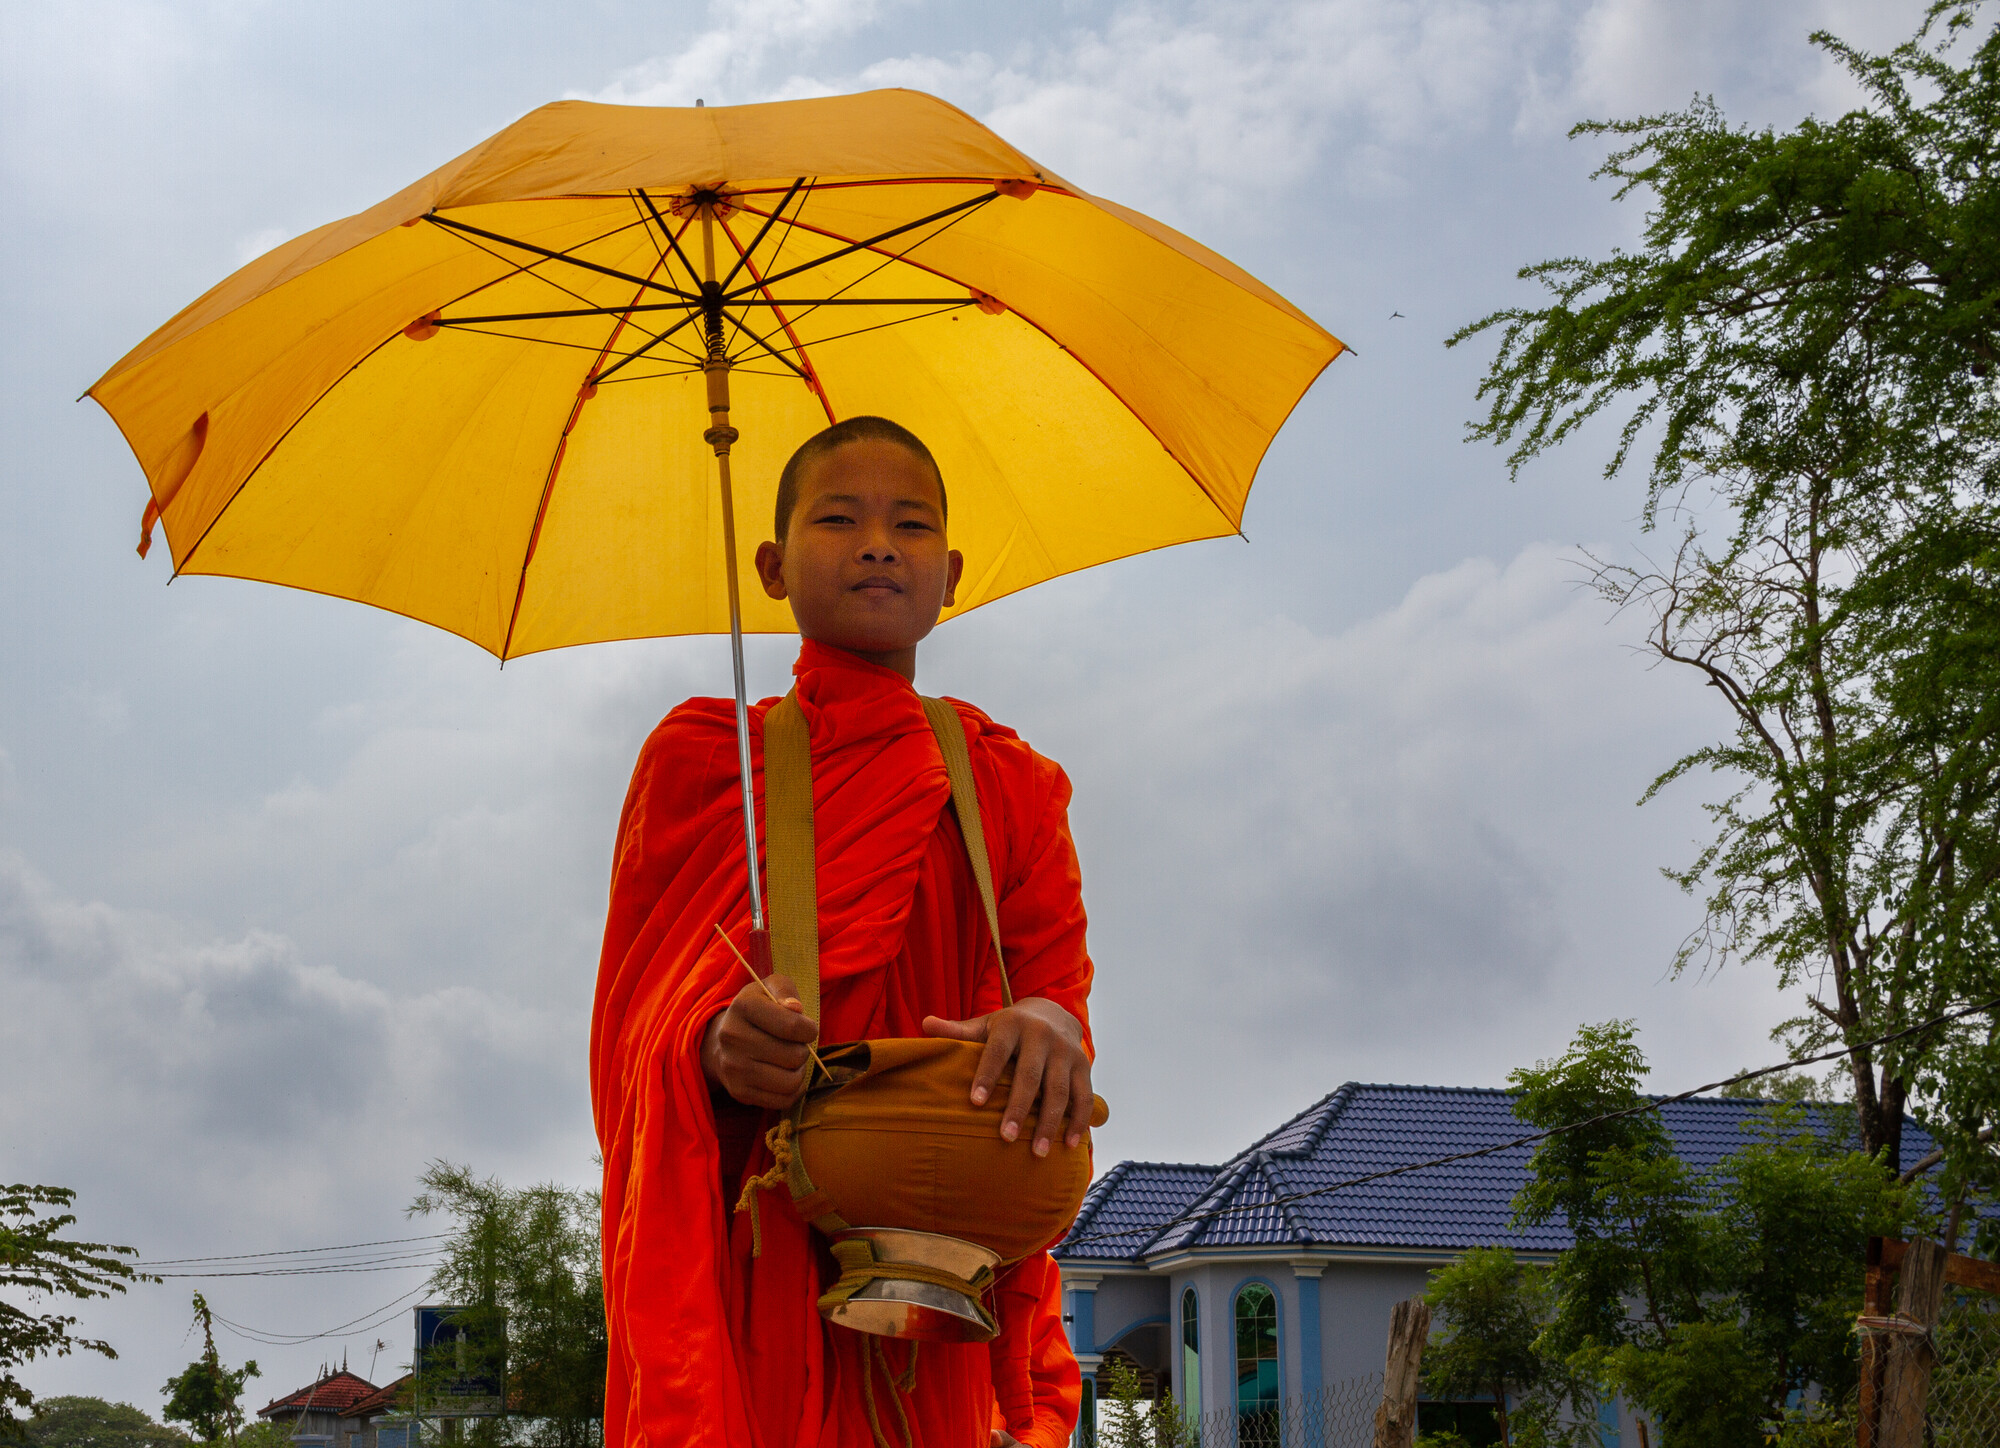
pixel 950 732
pixel 790 871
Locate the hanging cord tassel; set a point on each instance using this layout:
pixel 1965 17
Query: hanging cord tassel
pixel 908 1381
pixel 872 1357
pixel 779 1139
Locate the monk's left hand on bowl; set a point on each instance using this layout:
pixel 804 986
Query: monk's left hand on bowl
pixel 1045 1043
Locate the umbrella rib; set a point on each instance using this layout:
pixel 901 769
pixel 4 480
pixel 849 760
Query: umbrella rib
pixel 892 322
pixel 527 269
pixel 576 346
pixel 575 261
pixel 679 307
pixel 758 239
pixel 674 241
pixel 837 300
pixel 549 483
pixel 804 366
pixel 971 203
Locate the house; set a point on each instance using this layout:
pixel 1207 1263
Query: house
pixel 1242 1303
pixel 321 1414
pixel 344 1410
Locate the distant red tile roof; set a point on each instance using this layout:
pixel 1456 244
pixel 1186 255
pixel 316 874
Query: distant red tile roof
pixel 335 1393
pixel 382 1400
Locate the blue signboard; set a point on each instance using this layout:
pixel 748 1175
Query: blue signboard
pixel 461 1363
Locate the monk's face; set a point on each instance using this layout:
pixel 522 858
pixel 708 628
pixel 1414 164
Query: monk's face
pixel 864 563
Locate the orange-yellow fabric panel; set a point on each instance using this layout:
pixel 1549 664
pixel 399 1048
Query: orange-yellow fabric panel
pixel 1121 402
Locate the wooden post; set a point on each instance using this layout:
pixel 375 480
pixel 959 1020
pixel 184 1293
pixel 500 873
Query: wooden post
pixel 1906 1353
pixel 1874 1303
pixel 1396 1419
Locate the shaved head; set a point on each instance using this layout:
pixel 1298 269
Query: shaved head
pixel 853 429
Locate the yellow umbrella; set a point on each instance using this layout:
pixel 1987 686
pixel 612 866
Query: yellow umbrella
pixel 475 404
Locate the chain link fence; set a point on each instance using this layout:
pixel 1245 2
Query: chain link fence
pixel 1964 1404
pixel 1339 1415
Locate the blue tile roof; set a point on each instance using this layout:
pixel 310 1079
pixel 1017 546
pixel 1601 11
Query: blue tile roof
pixel 1139 1209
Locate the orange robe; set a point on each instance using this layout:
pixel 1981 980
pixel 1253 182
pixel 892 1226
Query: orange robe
pixel 710 1345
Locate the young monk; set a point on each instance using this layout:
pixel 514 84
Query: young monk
pixel 691 1062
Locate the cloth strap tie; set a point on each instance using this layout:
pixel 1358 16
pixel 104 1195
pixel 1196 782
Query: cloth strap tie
pixel 859 1266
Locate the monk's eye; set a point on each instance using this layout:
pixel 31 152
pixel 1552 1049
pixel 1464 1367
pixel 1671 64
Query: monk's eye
pixel 916 523
pixel 833 518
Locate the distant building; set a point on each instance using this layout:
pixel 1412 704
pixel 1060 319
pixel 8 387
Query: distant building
pixel 1208 1283
pixel 344 1410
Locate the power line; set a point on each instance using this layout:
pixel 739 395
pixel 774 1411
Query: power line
pixel 370 1320
pixel 292 1251
pixel 313 1271
pixel 1529 1140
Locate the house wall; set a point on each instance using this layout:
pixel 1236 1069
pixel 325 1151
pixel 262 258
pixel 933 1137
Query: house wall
pixel 1353 1301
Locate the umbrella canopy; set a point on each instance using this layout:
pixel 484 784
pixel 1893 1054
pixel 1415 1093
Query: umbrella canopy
pixel 481 402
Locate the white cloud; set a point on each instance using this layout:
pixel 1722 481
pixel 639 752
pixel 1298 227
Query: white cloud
pixel 724 64
pixel 1405 849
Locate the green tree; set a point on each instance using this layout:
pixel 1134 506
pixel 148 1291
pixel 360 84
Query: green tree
pixel 73 1422
pixel 1127 1419
pixel 205 1395
pixel 1805 344
pixel 1708 1298
pixel 39 1263
pixel 526 1264
pixel 1491 1310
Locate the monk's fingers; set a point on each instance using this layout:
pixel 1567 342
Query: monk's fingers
pixel 786 1023
pixel 758 1083
pixel 1028 1067
pixel 1057 1083
pixel 1081 1103
pixel 972 1030
pixel 1003 1034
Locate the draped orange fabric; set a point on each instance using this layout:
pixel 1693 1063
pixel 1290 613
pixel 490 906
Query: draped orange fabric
pixel 710 1345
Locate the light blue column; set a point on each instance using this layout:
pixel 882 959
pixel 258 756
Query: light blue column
pixel 1080 1291
pixel 1311 1360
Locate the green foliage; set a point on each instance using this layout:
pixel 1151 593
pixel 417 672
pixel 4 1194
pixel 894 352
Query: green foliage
pixel 1492 1311
pixel 1806 344
pixel 1127 1419
pixel 1705 1298
pixel 73 1422
pixel 264 1434
pixel 37 1262
pixel 205 1394
pixel 529 1257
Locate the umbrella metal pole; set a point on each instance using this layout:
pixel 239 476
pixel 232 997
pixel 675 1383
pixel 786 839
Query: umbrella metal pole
pixel 719 436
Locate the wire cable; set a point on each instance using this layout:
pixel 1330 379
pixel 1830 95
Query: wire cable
pixel 1154 1234
pixel 294 1251
pixel 369 1321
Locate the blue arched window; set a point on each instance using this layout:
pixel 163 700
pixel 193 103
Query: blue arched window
pixel 1256 1350
pixel 1190 1352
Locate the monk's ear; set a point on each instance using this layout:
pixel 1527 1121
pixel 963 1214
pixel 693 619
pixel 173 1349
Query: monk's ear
pixel 954 569
pixel 771 568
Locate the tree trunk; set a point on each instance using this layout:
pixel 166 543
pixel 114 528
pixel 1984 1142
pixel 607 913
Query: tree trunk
pixel 1396 1419
pixel 1907 1354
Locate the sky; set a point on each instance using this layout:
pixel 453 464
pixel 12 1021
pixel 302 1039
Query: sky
pixel 296 897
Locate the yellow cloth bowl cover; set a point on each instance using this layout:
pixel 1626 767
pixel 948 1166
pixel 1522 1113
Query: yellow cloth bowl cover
pixel 901 1145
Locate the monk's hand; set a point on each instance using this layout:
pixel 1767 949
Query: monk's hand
pixel 756 1050
pixel 1045 1043
pixel 1003 1439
